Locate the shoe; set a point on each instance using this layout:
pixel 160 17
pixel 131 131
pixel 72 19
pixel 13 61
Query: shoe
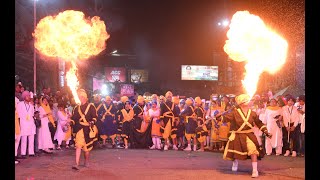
pixel 75 167
pixel 194 148
pixel 255 174
pixel 188 148
pixel 47 151
pixel 165 148
pixel 302 155
pixel 222 148
pixel 278 154
pixel 294 154
pixel 16 162
pixel 32 155
pixel 287 153
pixel 126 147
pixel 86 164
pixel 153 147
pixel 200 150
pixel 67 146
pixel 58 148
pixel 113 146
pixel 268 154
pixel 234 166
pixel 174 147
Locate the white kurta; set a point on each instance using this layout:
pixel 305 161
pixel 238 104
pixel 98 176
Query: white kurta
pixel 25 113
pixel 44 137
pixel 290 115
pixel 270 121
pixel 62 121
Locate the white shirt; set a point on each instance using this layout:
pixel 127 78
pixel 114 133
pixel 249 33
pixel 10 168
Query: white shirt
pixel 290 115
pixel 25 113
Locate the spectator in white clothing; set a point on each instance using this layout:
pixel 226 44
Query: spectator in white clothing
pixel 27 127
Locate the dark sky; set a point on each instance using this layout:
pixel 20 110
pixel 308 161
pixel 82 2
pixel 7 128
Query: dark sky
pixel 164 34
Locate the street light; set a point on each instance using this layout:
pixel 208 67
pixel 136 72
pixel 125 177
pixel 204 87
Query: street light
pixel 34 49
pixel 224 23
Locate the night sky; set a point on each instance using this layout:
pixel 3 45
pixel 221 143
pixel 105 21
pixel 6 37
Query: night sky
pixel 164 34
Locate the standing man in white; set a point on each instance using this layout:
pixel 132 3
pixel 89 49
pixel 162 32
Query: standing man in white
pixel 28 128
pixel 273 120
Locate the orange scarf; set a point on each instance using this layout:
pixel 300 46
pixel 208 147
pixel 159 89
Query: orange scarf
pixel 48 110
pixel 273 108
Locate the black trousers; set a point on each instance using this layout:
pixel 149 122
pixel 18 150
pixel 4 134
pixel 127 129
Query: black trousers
pixel 294 136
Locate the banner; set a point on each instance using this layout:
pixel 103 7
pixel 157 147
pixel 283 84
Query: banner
pixel 114 74
pixel 127 90
pixel 192 72
pixel 97 84
pixel 139 75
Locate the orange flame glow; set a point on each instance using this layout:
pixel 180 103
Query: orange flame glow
pixel 71 37
pixel 250 40
pixel 73 82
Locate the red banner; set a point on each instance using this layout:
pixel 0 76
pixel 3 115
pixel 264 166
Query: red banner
pixel 127 90
pixel 114 74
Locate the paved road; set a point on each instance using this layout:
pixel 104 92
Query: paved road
pixel 121 164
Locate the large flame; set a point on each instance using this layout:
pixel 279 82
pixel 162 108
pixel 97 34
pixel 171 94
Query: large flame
pixel 71 37
pixel 250 40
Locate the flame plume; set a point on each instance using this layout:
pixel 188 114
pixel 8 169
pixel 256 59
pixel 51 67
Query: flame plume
pixel 71 37
pixel 250 40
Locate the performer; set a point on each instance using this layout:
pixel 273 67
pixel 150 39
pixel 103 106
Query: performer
pixel 154 114
pixel 190 124
pixel 83 119
pixel 138 113
pixel 110 125
pixel 273 120
pixel 168 112
pixel 214 124
pixel 27 127
pixel 180 126
pixel 176 120
pixel 242 142
pixel 125 118
pixel 225 103
pixel 101 110
pixel 120 106
pixel 201 130
pixel 291 126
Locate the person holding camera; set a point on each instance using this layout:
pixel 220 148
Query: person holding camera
pixel 63 132
pixel 273 120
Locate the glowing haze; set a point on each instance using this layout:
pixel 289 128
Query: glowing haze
pixel 71 37
pixel 250 40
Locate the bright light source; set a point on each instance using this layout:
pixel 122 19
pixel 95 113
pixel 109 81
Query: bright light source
pixel 115 51
pixel 104 90
pixel 219 23
pixel 225 23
